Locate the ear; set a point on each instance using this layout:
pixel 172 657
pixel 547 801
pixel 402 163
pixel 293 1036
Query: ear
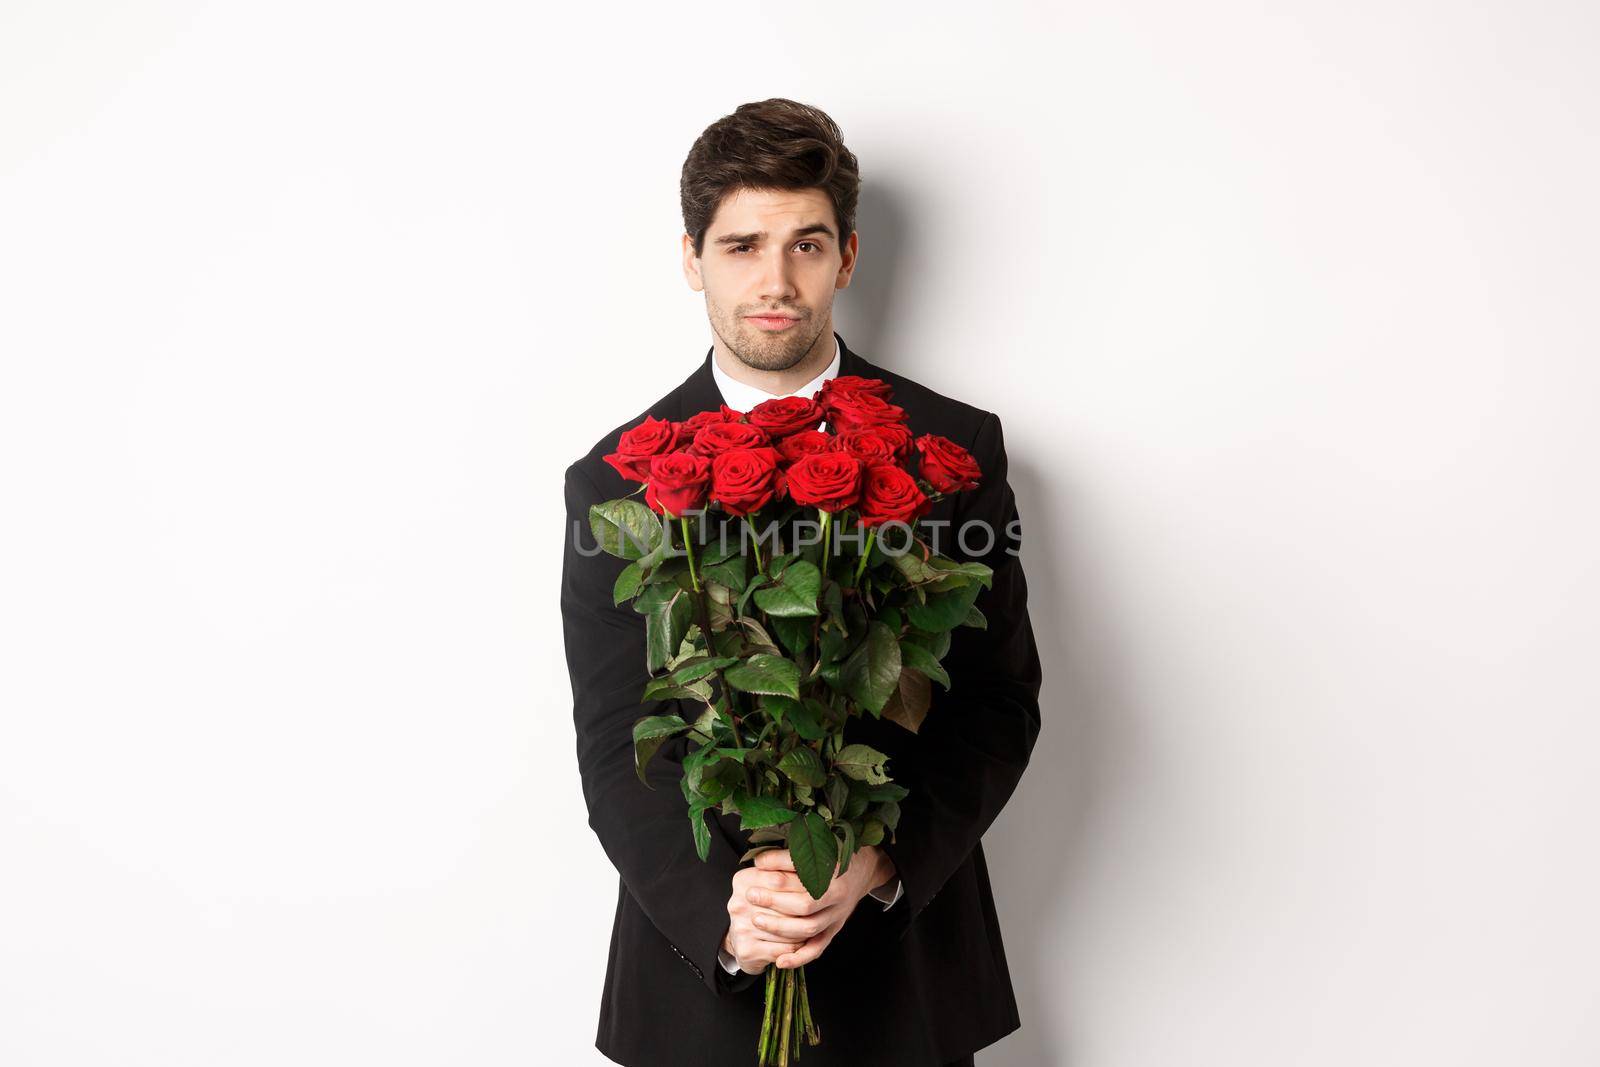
pixel 691 266
pixel 847 261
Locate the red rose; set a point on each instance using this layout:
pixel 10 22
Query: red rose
pixel 679 482
pixel 868 445
pixel 636 446
pixel 890 494
pixel 685 434
pixel 947 466
pixel 853 383
pixel 700 418
pixel 827 480
pixel 785 415
pixel 857 411
pixel 899 435
pixel 804 443
pixel 716 437
pixel 746 479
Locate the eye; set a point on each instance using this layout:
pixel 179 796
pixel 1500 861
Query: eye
pixel 813 244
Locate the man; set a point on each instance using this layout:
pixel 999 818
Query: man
pixel 918 978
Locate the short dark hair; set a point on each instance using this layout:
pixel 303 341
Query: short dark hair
pixel 770 144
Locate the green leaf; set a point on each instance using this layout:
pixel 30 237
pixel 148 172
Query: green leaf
pixel 665 688
pixel 721 781
pixel 815 852
pixel 833 601
pixel 649 734
pixel 654 597
pixel 705 727
pixel 975 619
pixel 829 716
pixel 863 763
pixel 943 611
pixel 625 527
pixel 670 569
pixel 732 573
pixel 758 582
pixel 627 583
pixel 891 618
pixel 688 649
pixel 717 550
pixel 759 811
pixel 938 644
pixel 857 804
pixel 700 666
pixel 803 765
pixel 664 628
pixel 873 669
pixel 952 574
pixel 763 673
pixel 794 633
pixel 759 639
pixel 838 793
pixel 702 833
pixel 832 644
pixel 804 718
pixel 914 567
pixel 919 658
pixel 795 593
pixel 847 847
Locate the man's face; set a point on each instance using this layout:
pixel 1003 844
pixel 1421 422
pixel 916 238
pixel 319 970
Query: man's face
pixel 771 253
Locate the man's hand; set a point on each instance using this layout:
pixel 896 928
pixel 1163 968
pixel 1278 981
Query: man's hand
pixel 776 920
pixel 746 942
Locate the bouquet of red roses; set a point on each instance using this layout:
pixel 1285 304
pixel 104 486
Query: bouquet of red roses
pixel 782 648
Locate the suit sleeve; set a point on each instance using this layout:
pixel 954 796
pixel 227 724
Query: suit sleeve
pixel 976 740
pixel 645 832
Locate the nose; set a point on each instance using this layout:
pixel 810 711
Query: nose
pixel 777 283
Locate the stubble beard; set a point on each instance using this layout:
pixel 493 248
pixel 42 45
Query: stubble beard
pixel 760 350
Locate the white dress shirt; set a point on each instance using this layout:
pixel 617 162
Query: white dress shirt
pixel 742 397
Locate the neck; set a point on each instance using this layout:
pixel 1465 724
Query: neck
pixel 778 382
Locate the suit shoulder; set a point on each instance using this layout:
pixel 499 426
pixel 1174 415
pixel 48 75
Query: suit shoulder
pixel 936 412
pixel 592 467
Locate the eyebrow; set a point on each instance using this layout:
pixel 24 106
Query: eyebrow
pixel 760 235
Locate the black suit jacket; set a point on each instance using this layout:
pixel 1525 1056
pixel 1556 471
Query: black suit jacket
pixel 917 985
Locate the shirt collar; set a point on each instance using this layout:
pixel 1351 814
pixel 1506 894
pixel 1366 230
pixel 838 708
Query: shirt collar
pixel 742 397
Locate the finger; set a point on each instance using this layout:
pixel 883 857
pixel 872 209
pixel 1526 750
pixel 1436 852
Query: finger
pixel 775 859
pixel 787 901
pixel 804 954
pixel 782 881
pixel 792 927
pixel 755 941
pixel 758 953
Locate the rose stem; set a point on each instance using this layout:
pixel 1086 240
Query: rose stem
pixel 764 1046
pixel 689 550
pixel 711 649
pixel 756 543
pixel 786 1028
pixel 871 534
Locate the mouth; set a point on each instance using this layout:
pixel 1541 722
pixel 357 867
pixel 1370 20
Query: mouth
pixel 772 322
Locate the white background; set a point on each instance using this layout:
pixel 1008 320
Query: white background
pixel 1289 312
